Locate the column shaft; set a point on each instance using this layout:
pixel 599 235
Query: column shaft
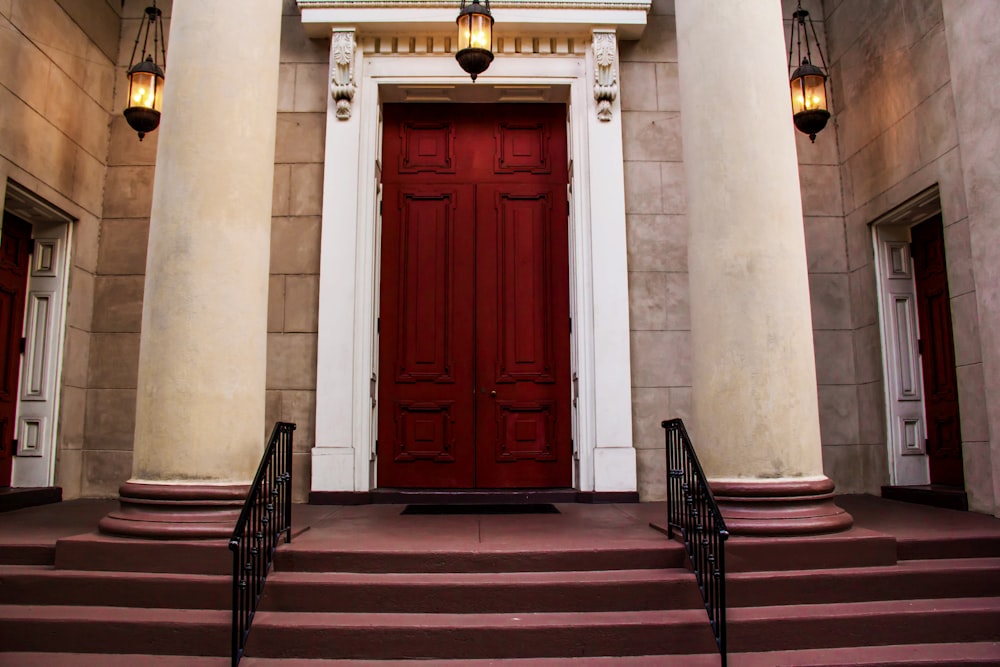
pixel 756 418
pixel 202 363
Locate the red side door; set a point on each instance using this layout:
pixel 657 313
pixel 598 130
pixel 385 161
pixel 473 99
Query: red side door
pixel 944 435
pixel 15 249
pixel 474 317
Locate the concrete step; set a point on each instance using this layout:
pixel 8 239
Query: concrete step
pixel 854 624
pixel 972 654
pixel 49 586
pixel 497 592
pixel 133 660
pixel 91 629
pixel 937 578
pixel 81 629
pixel 366 636
pixel 307 557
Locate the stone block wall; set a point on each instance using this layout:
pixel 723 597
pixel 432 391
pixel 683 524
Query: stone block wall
pixel 898 135
pixel 294 285
pixel 293 304
pixel 56 92
pixel 657 246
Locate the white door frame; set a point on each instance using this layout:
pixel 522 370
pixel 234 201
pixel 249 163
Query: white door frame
pixel 906 421
pixel 39 389
pixel 342 459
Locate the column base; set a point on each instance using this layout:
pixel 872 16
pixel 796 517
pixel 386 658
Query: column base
pixel 175 511
pixel 780 507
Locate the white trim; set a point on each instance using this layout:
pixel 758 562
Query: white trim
pixel 901 366
pixel 556 17
pixel 349 268
pixel 45 334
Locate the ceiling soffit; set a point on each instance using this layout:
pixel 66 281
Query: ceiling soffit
pixel 522 26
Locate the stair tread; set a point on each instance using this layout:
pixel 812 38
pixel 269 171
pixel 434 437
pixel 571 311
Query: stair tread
pixel 99 613
pixel 49 571
pixel 934 654
pixel 27 659
pixel 481 578
pixel 837 609
pixel 304 619
pixel 922 566
pixel 897 654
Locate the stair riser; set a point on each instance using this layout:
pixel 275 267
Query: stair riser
pixel 473 643
pixel 80 636
pixel 484 598
pixel 117 592
pixel 863 630
pixel 325 561
pixel 861 587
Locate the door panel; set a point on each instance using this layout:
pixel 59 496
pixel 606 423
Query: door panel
pixel 944 438
pixel 15 248
pixel 522 311
pixel 474 319
pixel 426 421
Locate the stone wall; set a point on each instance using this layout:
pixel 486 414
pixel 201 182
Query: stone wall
pixel 56 90
pixel 295 236
pixel 293 294
pixel 972 30
pixel 898 136
pixel 657 242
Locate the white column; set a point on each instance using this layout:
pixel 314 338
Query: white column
pixel 202 363
pixel 614 463
pixel 756 418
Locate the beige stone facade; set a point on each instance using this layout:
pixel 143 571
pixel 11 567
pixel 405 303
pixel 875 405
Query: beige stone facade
pixel 905 99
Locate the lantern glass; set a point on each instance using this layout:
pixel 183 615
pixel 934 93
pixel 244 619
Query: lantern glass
pixel 809 93
pixel 475 31
pixel 145 90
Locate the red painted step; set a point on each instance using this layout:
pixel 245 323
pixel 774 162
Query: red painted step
pixel 607 590
pixel 306 558
pixel 470 636
pixel 863 624
pixel 48 586
pixel 941 578
pixel 83 629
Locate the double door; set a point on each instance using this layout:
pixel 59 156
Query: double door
pixel 474 328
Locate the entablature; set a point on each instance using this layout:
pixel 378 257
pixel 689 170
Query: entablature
pixel 552 22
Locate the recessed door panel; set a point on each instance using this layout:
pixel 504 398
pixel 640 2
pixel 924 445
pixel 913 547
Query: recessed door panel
pixel 474 316
pixel 15 249
pixel 937 357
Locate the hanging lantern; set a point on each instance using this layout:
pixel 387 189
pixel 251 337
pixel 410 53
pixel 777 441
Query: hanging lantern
pixel 475 37
pixel 145 77
pixel 810 108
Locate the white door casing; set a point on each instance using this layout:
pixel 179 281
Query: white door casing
pixel 898 326
pixel 44 336
pixel 342 459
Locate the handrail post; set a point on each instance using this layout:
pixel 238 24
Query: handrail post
pixel 698 518
pixel 266 514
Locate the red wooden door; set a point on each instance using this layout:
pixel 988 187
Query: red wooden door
pixel 474 317
pixel 944 436
pixel 15 248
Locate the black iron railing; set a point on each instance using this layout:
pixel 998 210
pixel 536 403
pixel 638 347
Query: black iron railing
pixel 693 511
pixel 266 515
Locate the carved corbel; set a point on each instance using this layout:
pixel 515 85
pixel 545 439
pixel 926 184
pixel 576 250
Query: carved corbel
pixel 342 75
pixel 605 71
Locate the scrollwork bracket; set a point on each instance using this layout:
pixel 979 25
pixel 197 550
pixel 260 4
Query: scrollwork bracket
pixel 605 71
pixel 342 75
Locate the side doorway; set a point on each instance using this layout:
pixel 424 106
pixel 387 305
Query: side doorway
pixel 15 255
pixel 474 329
pixel 924 433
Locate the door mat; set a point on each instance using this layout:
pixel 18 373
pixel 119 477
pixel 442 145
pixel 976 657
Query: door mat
pixel 545 508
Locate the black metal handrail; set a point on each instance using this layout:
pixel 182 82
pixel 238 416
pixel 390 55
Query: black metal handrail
pixel 692 509
pixel 267 513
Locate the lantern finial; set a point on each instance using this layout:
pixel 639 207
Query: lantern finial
pixel 810 107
